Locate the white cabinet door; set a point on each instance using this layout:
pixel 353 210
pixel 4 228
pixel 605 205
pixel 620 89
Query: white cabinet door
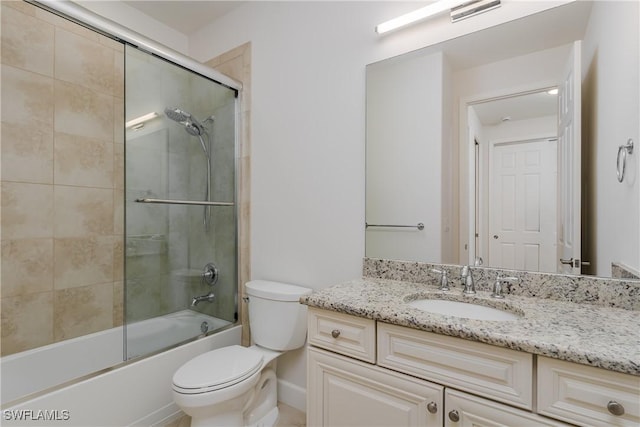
pixel 465 410
pixel 345 392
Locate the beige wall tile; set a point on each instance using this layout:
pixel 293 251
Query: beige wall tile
pixel 118 120
pixel 26 266
pixel 64 23
pixel 84 161
pixel 84 62
pixel 118 303
pixel 26 210
pixel 26 322
pixel 81 311
pixel 118 258
pixel 118 166
pixel 27 42
pixel 20 5
pixel 27 156
pixel 27 98
pixel 83 261
pixel 81 111
pixel 82 212
pixel 118 74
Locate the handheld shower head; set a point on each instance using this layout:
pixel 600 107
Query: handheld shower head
pixel 176 114
pixel 190 123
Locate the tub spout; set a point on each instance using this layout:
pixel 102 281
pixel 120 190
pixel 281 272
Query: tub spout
pixel 210 297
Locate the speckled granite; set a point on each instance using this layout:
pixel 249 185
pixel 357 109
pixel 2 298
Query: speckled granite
pixel 589 334
pixel 578 289
pixel 621 271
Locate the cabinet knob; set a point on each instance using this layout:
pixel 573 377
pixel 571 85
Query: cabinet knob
pixel 432 407
pixel 615 408
pixel 454 416
pixel 335 333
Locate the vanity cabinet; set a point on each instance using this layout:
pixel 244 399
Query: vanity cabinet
pixel 346 392
pixel 587 396
pixel 367 373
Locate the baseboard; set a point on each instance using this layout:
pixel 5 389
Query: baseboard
pixel 292 395
pixel 162 417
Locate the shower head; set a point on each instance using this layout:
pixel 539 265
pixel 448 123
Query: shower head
pixel 190 123
pixel 177 114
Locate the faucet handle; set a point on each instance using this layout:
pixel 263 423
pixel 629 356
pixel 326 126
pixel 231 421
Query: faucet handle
pixel 509 279
pixel 467 281
pixel 444 278
pixel 497 286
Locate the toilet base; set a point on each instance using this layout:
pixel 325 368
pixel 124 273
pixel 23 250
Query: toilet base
pixel 269 420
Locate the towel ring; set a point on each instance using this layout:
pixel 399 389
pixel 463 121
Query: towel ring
pixel 621 161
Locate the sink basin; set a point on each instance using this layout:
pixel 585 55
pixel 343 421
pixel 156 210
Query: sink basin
pixel 462 309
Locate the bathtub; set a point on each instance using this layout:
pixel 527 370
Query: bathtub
pixel 45 367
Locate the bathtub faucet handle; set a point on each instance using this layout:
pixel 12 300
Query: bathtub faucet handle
pixel 210 274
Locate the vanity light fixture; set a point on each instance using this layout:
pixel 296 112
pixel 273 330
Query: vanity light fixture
pixel 139 122
pixel 460 9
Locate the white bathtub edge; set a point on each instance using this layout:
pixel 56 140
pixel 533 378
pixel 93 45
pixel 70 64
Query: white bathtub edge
pixel 136 392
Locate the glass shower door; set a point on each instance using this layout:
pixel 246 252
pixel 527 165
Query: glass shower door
pixel 180 214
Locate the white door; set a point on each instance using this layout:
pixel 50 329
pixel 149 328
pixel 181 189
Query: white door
pixel 522 205
pixel 569 164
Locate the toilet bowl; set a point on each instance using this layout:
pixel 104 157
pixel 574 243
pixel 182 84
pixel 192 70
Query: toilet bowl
pixel 237 386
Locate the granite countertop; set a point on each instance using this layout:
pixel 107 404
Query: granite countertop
pixel 588 334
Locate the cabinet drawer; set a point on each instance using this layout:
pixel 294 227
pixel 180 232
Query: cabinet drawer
pixel 580 394
pixel 349 335
pixel 497 373
pixel 462 409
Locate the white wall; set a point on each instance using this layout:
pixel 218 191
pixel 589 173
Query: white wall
pixel 404 157
pixel 611 76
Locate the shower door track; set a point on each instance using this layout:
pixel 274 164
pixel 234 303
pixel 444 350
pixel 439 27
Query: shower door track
pixel 184 202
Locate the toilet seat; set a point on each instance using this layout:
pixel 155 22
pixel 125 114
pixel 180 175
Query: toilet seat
pixel 217 369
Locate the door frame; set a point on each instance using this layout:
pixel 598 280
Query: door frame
pixel 467 161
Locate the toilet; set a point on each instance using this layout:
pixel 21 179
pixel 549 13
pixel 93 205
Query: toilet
pixel 237 386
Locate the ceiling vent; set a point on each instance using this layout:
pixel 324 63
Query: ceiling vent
pixel 472 8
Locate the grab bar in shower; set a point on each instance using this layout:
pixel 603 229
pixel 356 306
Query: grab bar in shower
pixel 184 202
pixel 419 226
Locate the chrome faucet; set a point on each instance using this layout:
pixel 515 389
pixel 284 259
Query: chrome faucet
pixel 210 297
pixel 467 281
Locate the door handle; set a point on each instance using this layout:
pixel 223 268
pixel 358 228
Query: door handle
pixel 575 263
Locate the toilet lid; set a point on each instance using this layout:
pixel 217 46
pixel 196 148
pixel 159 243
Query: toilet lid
pixel 217 369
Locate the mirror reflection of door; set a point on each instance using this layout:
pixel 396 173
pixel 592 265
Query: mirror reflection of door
pixel 570 158
pixel 522 204
pixel 516 180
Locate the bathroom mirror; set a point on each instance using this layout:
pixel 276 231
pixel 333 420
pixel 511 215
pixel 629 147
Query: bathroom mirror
pixel 439 118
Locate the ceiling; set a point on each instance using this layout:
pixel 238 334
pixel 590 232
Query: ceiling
pixel 184 16
pixel 522 107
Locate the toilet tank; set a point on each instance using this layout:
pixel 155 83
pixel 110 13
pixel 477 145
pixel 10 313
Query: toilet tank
pixel 277 319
